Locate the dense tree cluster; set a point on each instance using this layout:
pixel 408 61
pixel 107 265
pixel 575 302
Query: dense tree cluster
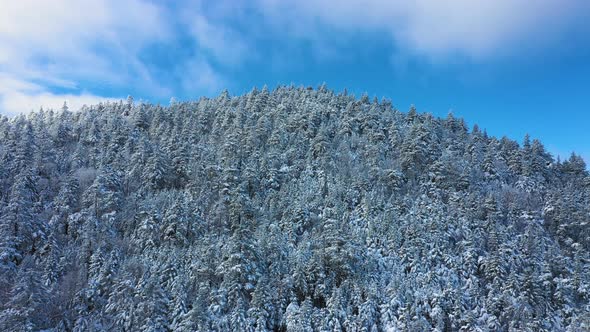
pixel 293 210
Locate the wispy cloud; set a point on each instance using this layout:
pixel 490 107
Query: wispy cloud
pixel 433 28
pixel 198 75
pixel 17 96
pixel 215 37
pixel 52 50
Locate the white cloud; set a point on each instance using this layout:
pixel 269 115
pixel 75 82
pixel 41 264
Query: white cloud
pixel 72 37
pixel 18 102
pixel 436 28
pixel 198 75
pixel 63 45
pixel 60 45
pixel 224 44
pixel 17 96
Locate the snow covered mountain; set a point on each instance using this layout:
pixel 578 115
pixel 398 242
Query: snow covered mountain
pixel 296 209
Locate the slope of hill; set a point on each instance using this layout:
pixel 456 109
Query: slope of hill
pixel 290 210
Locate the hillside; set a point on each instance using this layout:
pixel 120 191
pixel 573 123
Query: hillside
pixel 288 210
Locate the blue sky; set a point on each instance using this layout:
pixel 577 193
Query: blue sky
pixel 511 66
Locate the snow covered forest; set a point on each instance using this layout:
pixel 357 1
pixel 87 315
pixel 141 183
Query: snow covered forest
pixel 295 209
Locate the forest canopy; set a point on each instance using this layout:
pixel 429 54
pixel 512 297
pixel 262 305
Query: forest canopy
pixel 288 210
